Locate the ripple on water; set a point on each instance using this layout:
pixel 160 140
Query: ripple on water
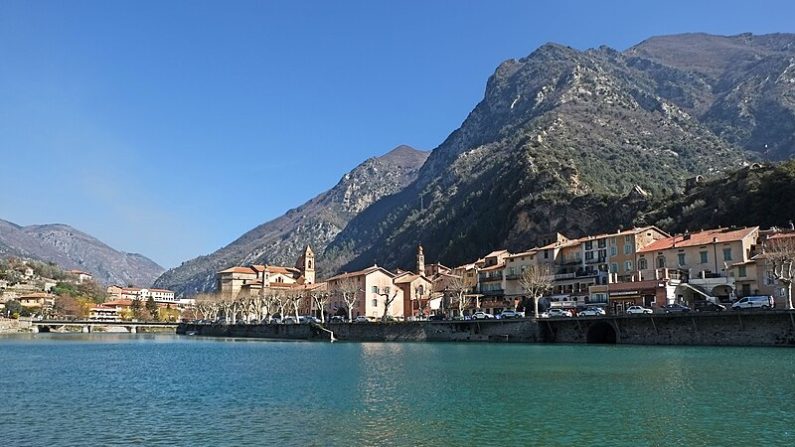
pixel 160 390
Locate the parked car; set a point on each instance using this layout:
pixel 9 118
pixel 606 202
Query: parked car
pixel 276 320
pixel 708 306
pixel 437 318
pixel 507 314
pixel 558 313
pixel 337 319
pixel 592 312
pixel 764 302
pixel 305 319
pixel 543 315
pixel 361 319
pixel 288 320
pixel 638 310
pixel 480 315
pixel 674 308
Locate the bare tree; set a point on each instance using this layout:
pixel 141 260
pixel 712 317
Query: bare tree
pixel 461 286
pixel 348 290
pixel 208 305
pixel 536 281
pixel 294 298
pixel 780 255
pixel 388 302
pixel 321 299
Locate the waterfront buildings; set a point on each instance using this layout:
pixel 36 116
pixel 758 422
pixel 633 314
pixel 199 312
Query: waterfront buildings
pixel 637 266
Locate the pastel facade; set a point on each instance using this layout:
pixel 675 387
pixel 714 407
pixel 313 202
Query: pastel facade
pixel 374 284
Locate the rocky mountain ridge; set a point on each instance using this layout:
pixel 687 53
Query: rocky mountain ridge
pixel 571 141
pixel 316 222
pixel 72 249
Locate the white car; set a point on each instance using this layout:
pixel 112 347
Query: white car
pixel 592 312
pixel 558 313
pixel 482 316
pixel 638 310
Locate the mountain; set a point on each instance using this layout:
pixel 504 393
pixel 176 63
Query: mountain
pixel 563 140
pixel 73 249
pixel 747 85
pixel 560 142
pixel 316 222
pixel 746 197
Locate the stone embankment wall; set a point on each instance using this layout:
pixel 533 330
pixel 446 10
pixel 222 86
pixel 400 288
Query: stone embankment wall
pixel 760 328
pixel 499 331
pixel 11 326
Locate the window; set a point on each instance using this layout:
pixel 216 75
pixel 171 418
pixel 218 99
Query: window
pixel 601 243
pixel 614 268
pixel 386 289
pixel 602 255
pixel 741 271
pixel 661 262
pixel 642 265
pixel 589 245
pixel 727 254
pixel 629 239
pixel 681 258
pixel 546 254
pixel 588 255
pixel 628 266
pixel 375 289
pixel 613 251
pixel 375 302
pixel 628 248
pixel 598 298
pixel 703 255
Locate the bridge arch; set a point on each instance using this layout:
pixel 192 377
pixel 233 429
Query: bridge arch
pixel 601 332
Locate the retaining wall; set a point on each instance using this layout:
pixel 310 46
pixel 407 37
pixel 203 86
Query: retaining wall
pixel 497 331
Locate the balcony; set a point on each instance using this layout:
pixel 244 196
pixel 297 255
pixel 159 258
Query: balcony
pixel 560 276
pixel 510 276
pixel 493 292
pixel 490 278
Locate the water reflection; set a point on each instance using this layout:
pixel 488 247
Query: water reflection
pixel 166 390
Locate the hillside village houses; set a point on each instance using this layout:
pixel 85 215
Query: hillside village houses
pixel 639 266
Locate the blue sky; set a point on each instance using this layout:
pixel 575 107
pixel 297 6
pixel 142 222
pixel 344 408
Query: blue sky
pixel 170 128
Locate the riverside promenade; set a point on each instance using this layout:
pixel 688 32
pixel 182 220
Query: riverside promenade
pixel 748 328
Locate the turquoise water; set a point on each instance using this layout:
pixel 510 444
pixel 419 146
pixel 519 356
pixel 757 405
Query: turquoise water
pixel 64 390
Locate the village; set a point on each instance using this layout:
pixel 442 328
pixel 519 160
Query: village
pixel 605 274
pixel 611 273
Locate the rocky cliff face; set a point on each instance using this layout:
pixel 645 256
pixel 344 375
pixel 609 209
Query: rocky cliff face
pixel 316 223
pixel 563 140
pixel 73 249
pixel 558 143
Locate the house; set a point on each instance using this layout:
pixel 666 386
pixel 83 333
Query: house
pixel 416 287
pixel 40 300
pixel 81 276
pixel 372 286
pixel 704 259
pixel 249 280
pixel 143 294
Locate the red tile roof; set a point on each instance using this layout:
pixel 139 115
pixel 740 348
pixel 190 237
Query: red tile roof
pixel 700 238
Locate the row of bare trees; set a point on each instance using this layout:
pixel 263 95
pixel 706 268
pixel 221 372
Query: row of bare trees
pixel 536 280
pixel 261 306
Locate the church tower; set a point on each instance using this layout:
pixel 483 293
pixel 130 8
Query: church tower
pixel 420 261
pixel 306 264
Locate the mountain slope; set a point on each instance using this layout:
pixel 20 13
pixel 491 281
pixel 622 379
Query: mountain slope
pixel 749 85
pixel 755 195
pixel 559 138
pixel 316 223
pixel 73 249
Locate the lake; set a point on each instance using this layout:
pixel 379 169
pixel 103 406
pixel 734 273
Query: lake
pixel 122 389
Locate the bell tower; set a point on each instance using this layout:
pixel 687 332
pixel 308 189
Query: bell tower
pixel 420 261
pixel 306 264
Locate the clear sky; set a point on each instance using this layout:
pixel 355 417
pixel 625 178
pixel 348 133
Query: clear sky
pixel 170 128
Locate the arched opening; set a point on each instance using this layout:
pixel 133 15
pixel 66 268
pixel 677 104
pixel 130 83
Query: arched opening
pixel 601 333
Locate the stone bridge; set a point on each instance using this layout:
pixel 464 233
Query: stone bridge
pixel 88 326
